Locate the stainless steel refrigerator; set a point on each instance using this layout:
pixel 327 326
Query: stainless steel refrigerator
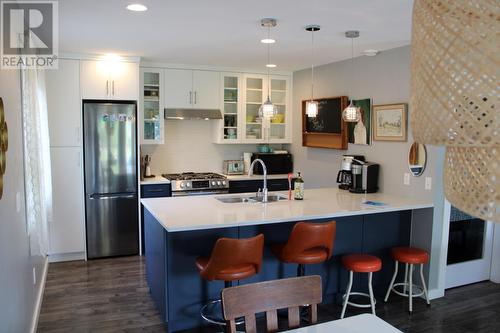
pixel 110 153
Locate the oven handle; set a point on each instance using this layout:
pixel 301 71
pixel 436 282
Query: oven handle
pixel 189 193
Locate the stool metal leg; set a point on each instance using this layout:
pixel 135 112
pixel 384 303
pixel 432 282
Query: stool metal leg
pixel 423 284
pixel 349 286
pixel 406 279
pixel 410 293
pixel 370 290
pixel 392 281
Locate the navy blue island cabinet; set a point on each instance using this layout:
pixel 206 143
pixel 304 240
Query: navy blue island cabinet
pixel 179 292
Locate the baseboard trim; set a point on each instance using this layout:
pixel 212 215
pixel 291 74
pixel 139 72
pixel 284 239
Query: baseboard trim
pixel 38 303
pixel 58 257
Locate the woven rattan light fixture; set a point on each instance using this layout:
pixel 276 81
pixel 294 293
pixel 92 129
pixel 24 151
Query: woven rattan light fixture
pixel 455 69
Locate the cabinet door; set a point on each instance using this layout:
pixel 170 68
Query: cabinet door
pixel 151 106
pixel 125 81
pixel 178 88
pixel 255 94
pixel 63 104
pixel 66 231
pixel 95 80
pixel 206 89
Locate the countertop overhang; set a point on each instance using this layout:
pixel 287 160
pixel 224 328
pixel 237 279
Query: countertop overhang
pixel 189 213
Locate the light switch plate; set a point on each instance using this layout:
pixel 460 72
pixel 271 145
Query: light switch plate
pixel 406 178
pixel 428 183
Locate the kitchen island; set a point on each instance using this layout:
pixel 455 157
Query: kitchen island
pixel 179 229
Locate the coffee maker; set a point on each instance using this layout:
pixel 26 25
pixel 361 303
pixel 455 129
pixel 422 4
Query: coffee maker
pixel 364 178
pixel 344 177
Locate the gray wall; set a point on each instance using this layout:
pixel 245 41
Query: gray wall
pixel 18 294
pixel 385 79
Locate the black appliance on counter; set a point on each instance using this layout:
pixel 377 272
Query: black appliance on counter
pixel 364 178
pixel 275 163
pixel 344 177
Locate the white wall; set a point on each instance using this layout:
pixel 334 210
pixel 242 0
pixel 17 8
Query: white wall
pixel 18 293
pixel 385 79
pixel 189 147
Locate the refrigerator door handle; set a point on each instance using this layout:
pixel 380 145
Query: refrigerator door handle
pixel 111 196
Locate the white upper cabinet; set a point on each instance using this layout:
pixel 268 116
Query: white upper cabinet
pixel 178 88
pixel 63 104
pixel 192 89
pixel 103 79
pixel 66 230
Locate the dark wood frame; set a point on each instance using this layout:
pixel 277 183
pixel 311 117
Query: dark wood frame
pixel 325 140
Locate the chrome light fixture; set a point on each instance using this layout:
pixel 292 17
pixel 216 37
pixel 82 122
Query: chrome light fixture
pixel 351 113
pixel 312 105
pixel 268 109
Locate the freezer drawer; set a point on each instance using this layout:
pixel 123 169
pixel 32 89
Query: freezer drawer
pixel 112 225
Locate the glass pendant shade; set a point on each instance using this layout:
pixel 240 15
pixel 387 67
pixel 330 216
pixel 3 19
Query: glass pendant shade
pixel 312 108
pixel 268 109
pixel 351 114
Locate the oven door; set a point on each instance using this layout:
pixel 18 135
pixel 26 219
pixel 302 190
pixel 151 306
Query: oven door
pixel 200 192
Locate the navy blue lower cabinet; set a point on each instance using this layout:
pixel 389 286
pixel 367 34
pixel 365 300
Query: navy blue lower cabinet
pixel 152 191
pixel 179 292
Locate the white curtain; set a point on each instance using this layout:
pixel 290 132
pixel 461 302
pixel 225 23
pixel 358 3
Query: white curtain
pixel 37 173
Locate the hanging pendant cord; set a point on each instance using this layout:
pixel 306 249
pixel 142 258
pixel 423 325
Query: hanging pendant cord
pixel 268 63
pixel 352 70
pixel 312 64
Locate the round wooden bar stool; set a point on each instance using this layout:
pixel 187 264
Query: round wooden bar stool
pixel 360 263
pixel 309 243
pixel 231 260
pixel 409 256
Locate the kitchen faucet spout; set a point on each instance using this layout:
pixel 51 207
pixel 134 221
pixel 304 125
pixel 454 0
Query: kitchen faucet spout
pixel 264 186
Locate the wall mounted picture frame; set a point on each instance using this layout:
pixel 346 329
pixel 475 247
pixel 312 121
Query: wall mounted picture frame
pixel 4 145
pixel 360 133
pixel 390 122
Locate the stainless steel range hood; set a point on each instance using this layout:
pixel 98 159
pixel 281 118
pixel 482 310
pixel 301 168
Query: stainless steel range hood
pixel 187 114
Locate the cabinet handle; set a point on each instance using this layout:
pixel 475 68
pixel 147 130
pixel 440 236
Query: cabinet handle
pixel 155 190
pixel 107 87
pixel 190 97
pixel 195 97
pixel 113 87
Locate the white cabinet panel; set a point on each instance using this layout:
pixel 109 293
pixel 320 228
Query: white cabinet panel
pixel 66 230
pixel 63 103
pixel 101 79
pixel 178 88
pixel 206 88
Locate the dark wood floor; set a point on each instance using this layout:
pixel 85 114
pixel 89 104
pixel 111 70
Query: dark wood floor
pixel 111 295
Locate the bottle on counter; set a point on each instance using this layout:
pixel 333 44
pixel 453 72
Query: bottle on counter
pixel 299 188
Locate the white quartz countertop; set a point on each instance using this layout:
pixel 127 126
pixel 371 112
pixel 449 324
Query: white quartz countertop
pixel 205 212
pixel 155 180
pixel 256 177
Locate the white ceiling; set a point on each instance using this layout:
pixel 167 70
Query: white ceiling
pixel 227 32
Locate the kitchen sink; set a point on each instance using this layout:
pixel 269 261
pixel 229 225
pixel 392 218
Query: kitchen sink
pixel 246 198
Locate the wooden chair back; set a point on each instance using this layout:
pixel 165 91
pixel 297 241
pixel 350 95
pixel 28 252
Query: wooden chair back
pixel 269 296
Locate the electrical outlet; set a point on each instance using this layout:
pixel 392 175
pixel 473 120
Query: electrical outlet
pixel 34 275
pixel 406 178
pixel 428 183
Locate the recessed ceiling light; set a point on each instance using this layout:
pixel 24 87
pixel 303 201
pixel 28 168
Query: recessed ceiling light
pixel 370 52
pixel 137 7
pixel 268 41
pixel 271 65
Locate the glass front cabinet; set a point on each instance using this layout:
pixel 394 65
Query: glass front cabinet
pixel 151 106
pixel 243 94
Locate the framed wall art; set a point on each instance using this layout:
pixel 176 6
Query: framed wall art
pixel 389 122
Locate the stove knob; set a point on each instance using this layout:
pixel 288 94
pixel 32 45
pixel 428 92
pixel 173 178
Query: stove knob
pixel 224 182
pixel 183 185
pixel 218 183
pixel 188 184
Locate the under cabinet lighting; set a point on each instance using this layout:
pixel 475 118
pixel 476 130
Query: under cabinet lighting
pixel 268 41
pixel 137 7
pixel 271 65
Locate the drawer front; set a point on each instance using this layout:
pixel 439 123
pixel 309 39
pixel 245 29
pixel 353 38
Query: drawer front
pixel 244 186
pixel 156 191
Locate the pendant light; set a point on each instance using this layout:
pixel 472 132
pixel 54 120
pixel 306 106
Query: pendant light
pixel 268 109
pixel 351 113
pixel 312 105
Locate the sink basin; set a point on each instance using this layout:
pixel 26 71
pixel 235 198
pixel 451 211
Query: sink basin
pixel 246 198
pixel 236 199
pixel 270 198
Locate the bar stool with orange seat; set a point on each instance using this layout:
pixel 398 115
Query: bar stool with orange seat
pixel 410 256
pixel 231 260
pixel 360 263
pixel 309 243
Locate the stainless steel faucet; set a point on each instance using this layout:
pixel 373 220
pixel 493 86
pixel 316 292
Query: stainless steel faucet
pixel 250 172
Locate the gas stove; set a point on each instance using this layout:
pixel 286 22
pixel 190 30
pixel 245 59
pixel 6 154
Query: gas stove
pixel 197 183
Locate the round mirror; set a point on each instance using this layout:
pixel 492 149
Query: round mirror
pixel 417 157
